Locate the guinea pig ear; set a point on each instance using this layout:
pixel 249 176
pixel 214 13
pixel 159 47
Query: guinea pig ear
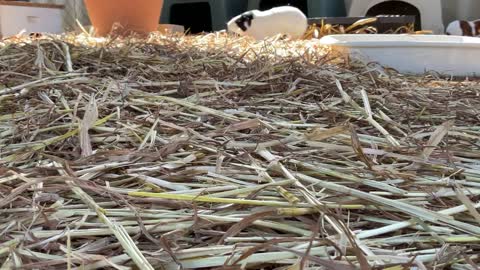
pixel 245 21
pixel 466 28
pixel 248 18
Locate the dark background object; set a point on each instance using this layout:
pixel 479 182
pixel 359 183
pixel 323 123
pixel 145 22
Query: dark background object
pixel 383 24
pixel 195 17
pixel 396 8
pixel 201 15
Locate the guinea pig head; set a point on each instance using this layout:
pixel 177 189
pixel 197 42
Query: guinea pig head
pixel 459 28
pixel 241 23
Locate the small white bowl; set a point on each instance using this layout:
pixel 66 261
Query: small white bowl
pixel 413 54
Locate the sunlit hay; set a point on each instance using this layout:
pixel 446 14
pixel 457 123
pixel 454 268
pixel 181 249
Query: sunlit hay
pixel 212 150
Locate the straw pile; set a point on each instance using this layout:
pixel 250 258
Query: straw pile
pixel 362 26
pixel 214 152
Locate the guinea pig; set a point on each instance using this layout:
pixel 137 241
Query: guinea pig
pixel 262 24
pixel 463 28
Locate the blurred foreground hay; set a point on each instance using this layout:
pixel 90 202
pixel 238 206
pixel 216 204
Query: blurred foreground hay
pixel 213 152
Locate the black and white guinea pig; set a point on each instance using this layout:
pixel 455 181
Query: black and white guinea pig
pixel 262 24
pixel 464 28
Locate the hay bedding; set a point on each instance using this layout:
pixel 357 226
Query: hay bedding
pixel 213 152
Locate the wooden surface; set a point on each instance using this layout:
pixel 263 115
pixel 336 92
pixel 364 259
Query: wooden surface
pixel 28 4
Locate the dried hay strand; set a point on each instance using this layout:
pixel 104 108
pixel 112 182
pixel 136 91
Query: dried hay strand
pixel 362 26
pixel 213 151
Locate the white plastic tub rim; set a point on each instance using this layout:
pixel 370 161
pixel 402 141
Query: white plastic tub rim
pixel 401 40
pixel 413 54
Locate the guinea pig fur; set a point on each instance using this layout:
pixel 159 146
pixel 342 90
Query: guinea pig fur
pixel 262 24
pixel 463 28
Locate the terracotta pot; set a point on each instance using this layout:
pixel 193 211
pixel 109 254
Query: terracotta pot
pixel 137 16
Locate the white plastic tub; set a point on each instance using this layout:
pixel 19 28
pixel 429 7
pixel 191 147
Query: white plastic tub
pixel 413 54
pixel 16 17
